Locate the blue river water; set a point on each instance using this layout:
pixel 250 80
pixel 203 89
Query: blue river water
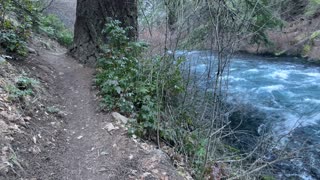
pixel 285 89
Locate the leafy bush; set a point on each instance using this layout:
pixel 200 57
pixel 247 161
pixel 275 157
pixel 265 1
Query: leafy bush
pixel 132 84
pixel 153 92
pixel 54 28
pixel 312 8
pixel 144 88
pixel 306 50
pixel 12 42
pixel 314 36
pixel 122 85
pixel 15 25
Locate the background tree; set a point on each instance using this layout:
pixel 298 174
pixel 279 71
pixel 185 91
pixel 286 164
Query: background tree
pixel 90 20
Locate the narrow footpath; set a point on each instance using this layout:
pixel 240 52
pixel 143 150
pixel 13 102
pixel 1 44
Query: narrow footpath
pixel 86 150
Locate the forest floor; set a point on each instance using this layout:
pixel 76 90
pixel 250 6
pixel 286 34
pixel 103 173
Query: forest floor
pixel 83 142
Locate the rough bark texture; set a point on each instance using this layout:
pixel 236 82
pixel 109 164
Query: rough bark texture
pixel 92 16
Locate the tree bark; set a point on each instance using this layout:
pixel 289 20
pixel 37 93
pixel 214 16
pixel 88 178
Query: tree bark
pixel 92 15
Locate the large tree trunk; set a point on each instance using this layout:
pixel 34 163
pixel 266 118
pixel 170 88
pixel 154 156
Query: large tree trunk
pixel 91 17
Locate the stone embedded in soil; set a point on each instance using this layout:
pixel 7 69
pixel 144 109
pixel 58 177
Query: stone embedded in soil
pixel 110 127
pixel 119 117
pixel 31 50
pixel 159 164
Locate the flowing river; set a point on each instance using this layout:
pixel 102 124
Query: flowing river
pixel 285 89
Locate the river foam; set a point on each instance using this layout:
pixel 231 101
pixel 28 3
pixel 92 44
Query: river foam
pixel 280 74
pixel 289 93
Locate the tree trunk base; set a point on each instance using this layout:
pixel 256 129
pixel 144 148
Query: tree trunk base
pixel 91 19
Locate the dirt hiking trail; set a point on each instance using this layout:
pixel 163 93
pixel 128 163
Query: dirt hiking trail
pixel 85 149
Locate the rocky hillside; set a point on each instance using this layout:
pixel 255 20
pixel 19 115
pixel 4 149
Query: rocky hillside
pixel 300 35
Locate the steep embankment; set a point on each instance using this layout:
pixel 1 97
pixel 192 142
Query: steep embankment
pixel 300 35
pixel 30 122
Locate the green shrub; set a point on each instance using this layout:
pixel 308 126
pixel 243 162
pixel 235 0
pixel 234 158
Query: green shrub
pixel 65 37
pixel 23 87
pixel 153 93
pixel 119 76
pixel 314 36
pixel 312 7
pixel 306 50
pixel 12 42
pixel 132 84
pixel 16 21
pixel 144 88
pixel 52 26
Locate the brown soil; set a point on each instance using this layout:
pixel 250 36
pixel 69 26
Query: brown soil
pixel 74 143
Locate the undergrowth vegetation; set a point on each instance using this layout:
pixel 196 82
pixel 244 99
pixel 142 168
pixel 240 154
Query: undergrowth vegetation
pixel 16 21
pixel 19 18
pixel 312 8
pixel 172 104
pixel 133 84
pixel 52 26
pixel 22 88
pixel 161 102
